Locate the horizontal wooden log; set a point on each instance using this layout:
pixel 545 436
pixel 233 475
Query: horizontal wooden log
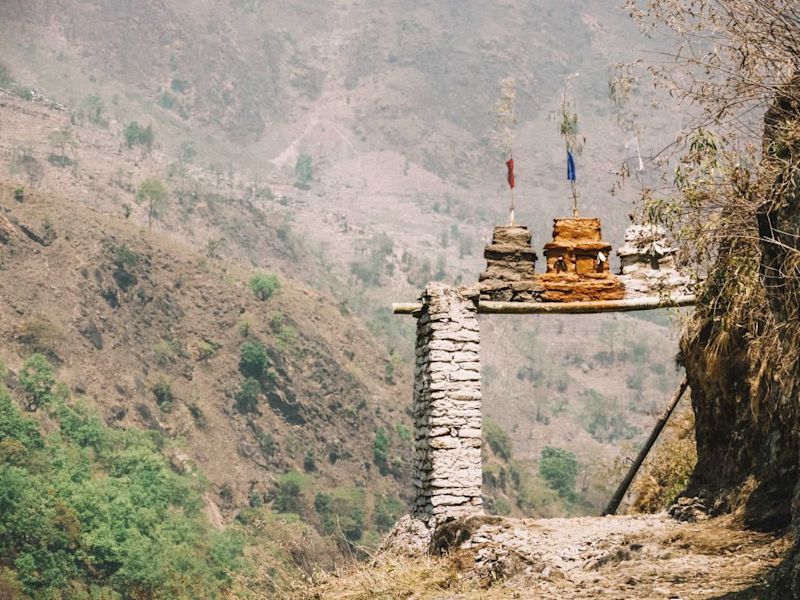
pixel 534 308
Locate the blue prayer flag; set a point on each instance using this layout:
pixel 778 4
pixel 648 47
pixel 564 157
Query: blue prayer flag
pixel 570 167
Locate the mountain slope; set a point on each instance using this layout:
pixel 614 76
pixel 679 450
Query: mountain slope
pixel 154 334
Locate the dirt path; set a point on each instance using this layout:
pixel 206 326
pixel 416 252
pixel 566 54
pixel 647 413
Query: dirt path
pixel 630 557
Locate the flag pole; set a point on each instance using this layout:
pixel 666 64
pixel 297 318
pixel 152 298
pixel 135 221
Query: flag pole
pixel 511 183
pixel 574 199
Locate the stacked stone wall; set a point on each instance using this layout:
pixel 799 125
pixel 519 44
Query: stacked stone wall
pixel 447 407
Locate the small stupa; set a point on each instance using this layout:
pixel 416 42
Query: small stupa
pixel 648 266
pixel 510 274
pixel 578 264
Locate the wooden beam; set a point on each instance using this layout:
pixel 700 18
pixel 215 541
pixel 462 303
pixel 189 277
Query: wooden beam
pixel 536 308
pixel 406 308
pixel 616 499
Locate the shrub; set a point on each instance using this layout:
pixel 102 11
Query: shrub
pixel 126 258
pixel 179 85
pixel 247 396
pixel 322 504
pixel 310 461
pixel 111 522
pixel 165 352
pixel 136 135
pixel 635 381
pixel 380 448
pixel 291 486
pixel 244 326
pixel 603 418
pixel 264 285
pixel 498 439
pixel 162 391
pixel 559 468
pixel 206 349
pixel 388 510
pixel 375 260
pixel 344 510
pixel 253 360
pixel 40 336
pixel 166 100
pixel 198 415
pixel 37 381
pixel 154 194
pixel 667 470
pixel 285 332
pixel 403 432
pixel 304 172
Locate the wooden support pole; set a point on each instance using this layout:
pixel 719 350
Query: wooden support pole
pixel 537 308
pixel 616 499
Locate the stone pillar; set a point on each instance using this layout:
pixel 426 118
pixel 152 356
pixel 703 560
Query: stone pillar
pixel 447 407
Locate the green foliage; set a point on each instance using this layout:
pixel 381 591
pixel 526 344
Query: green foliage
pixel 19 194
pixel 162 391
pixel 244 326
pixel 15 426
pixel 92 109
pixel 37 381
pixel 291 486
pixel 639 352
pixel 380 448
pixel 206 349
pixel 40 336
pixel 6 79
pixel 501 507
pixel 284 331
pixel 166 100
pixel 559 468
pixel 342 510
pixel 310 461
pixel 635 380
pixel 441 268
pixel 154 194
pixel 374 260
pixel 247 396
pixel 61 139
pixel 91 512
pixel 187 151
pixel 303 171
pixel 537 498
pixel 136 135
pixel 604 419
pixel 253 360
pixel 179 85
pixel 165 352
pixel 403 432
pixel 264 285
pixel 498 439
pixel 388 510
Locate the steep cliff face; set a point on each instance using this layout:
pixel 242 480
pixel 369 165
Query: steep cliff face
pixel 741 353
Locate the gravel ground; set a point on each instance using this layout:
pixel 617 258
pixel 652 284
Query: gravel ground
pixel 626 557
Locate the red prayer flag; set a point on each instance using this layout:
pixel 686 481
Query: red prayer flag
pixel 510 165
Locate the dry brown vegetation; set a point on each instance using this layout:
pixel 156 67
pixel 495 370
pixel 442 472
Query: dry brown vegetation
pixel 659 559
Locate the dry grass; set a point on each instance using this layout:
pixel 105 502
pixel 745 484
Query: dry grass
pixel 392 577
pixel 668 468
pixel 659 560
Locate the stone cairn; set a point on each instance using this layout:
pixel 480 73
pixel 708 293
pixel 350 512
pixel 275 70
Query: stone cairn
pixel 648 263
pixel 447 407
pixel 578 264
pixel 510 274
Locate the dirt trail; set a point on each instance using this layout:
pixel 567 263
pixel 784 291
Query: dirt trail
pixel 628 557
pixel 636 557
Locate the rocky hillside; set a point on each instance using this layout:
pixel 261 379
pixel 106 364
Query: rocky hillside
pixel 256 380
pixel 327 156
